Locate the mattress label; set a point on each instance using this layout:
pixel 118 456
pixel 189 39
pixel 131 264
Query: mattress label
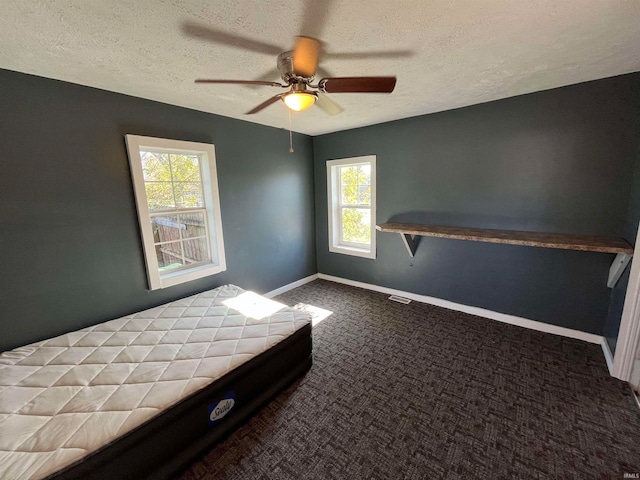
pixel 220 409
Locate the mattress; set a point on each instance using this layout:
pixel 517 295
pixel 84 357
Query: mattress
pixel 66 398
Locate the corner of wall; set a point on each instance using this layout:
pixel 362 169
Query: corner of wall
pixel 618 294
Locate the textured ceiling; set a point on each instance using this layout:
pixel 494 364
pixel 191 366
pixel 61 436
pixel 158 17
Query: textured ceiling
pixel 462 52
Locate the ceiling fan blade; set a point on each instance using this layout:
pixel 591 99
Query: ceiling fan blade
pixel 367 55
pixel 314 17
pixel 327 104
pixel 224 38
pixel 241 82
pixel 357 84
pixel 306 56
pixel 269 75
pixel 264 105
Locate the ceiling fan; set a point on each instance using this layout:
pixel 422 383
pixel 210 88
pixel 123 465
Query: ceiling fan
pixel 298 69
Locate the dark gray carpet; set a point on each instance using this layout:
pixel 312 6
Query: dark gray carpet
pixel 416 391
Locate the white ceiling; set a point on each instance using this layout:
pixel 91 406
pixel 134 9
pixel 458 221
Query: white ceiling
pixel 463 52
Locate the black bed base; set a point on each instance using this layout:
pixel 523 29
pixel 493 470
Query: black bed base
pixel 166 444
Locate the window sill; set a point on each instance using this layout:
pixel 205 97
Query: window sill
pixel 183 276
pixel 354 251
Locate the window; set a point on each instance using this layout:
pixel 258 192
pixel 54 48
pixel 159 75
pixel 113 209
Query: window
pixel 351 191
pixel 176 190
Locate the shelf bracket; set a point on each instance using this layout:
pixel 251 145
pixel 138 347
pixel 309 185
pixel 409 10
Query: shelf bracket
pixel 410 242
pixel 617 267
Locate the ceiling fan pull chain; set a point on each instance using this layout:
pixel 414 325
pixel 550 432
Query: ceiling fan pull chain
pixel 290 134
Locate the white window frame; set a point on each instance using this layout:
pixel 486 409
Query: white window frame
pixel 211 197
pixel 334 207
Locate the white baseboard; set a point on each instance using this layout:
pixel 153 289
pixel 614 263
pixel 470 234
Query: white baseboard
pixel 480 312
pixel 608 356
pixel 291 286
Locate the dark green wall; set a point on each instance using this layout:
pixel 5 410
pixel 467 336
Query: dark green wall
pixel 560 160
pixel 69 239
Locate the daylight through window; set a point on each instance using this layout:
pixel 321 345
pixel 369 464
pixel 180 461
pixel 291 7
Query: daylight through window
pixel 177 196
pixel 351 193
pixel 174 193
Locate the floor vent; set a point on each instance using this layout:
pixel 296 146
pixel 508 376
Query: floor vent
pixel 398 299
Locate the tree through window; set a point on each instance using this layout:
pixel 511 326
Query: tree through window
pixel 179 210
pixel 351 188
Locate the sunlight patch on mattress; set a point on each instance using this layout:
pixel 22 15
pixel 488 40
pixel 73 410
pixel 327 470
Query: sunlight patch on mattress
pixel 317 314
pixel 254 306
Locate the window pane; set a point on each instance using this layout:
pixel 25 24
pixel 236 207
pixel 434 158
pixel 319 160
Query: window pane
pixel 176 181
pixel 169 256
pixel 188 195
pixel 159 195
pixel 356 225
pixel 349 175
pixel 185 168
pixel 166 228
pixel 364 193
pixel 193 225
pixel 196 250
pixel 364 175
pixel 155 166
pixel 350 195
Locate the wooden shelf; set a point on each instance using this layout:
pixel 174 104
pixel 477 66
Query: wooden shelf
pixel 586 243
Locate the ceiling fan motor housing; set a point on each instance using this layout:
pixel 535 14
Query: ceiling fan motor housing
pixel 285 67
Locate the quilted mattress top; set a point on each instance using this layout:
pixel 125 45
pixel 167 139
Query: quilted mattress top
pixel 64 398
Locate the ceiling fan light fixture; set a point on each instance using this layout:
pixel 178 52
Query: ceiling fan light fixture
pixel 299 101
